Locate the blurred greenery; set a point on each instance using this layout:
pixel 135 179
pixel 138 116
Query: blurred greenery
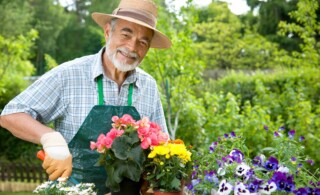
pixel 16 193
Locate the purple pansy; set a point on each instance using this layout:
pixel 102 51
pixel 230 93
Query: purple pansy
pixel 281 128
pixel 193 183
pixel 291 133
pixel 258 160
pixel 311 162
pixel 211 177
pixel 236 155
pixel 271 164
pixel 301 138
pixel 276 134
pixel 232 134
pixel 283 181
pixel 254 186
pixel 266 127
pixel 213 146
pixel 301 191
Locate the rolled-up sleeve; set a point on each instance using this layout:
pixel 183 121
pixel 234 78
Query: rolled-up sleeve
pixel 41 100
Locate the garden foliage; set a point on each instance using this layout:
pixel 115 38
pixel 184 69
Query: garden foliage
pixel 242 103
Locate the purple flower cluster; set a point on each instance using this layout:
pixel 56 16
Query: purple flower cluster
pixel 261 176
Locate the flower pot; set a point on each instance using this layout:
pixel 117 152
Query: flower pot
pixel 128 187
pixel 167 193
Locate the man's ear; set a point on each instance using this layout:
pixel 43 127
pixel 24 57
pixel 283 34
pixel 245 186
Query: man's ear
pixel 107 30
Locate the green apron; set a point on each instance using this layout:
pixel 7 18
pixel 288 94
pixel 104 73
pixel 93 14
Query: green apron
pixel 98 121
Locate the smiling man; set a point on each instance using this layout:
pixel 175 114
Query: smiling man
pixel 82 95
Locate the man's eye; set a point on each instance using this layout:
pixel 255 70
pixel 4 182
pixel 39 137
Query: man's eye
pixel 144 43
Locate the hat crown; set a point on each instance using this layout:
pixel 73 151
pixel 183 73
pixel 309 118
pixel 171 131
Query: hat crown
pixel 142 5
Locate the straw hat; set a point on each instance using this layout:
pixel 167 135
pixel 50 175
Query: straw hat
pixel 142 12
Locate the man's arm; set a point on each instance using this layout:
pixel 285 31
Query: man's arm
pixel 58 160
pixel 23 126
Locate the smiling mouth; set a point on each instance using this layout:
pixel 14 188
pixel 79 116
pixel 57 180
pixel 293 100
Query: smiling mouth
pixel 127 55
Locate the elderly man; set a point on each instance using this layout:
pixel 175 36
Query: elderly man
pixel 81 96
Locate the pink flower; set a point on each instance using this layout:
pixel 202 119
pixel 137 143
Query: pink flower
pixel 145 143
pixel 113 133
pixel 143 131
pixel 93 145
pixel 108 142
pixel 144 122
pixel 163 137
pixel 154 127
pixel 154 139
pixel 115 119
pixel 127 119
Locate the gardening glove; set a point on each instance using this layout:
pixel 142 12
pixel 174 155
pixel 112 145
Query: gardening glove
pixel 58 160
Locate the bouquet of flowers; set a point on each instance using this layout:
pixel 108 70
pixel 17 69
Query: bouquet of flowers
pixel 125 147
pixel 63 188
pixel 282 168
pixel 168 165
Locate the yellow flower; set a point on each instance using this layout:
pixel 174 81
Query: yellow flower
pixel 159 150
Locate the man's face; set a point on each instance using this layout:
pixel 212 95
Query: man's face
pixel 127 44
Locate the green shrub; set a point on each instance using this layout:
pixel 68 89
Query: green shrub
pixel 246 103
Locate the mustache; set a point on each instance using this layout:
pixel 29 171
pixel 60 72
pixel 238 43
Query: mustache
pixel 129 53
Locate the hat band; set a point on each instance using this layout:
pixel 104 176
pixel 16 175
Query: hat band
pixel 137 14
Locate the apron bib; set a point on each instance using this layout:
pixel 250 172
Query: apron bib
pixel 98 121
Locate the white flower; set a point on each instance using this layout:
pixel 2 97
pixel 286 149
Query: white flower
pixel 224 188
pixel 62 179
pixel 51 187
pixel 268 188
pixel 242 169
pixel 221 171
pixel 240 189
pixel 283 169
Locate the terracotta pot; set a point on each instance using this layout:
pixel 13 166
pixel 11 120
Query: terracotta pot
pixel 167 193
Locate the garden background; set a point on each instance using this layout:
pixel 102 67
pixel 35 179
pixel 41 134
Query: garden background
pixel 224 73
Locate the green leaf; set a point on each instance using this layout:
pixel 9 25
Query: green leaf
pixel 175 183
pixel 112 180
pixel 137 155
pixel 121 147
pixel 269 149
pixel 127 169
pixel 134 137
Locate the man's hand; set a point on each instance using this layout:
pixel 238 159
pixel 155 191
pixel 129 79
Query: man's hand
pixel 58 160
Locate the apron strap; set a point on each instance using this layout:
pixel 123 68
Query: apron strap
pixel 130 94
pixel 100 92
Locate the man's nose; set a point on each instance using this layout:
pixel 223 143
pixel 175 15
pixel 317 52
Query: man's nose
pixel 132 45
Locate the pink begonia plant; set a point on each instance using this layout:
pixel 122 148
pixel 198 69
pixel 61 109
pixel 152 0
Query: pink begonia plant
pixel 125 148
pixel 149 133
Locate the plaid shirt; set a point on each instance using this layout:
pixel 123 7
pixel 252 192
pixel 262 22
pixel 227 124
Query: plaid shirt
pixel 67 93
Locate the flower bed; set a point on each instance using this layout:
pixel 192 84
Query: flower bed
pixel 226 167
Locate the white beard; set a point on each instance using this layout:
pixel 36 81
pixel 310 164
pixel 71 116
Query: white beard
pixel 122 66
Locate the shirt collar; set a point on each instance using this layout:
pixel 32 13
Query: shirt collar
pixel 97 70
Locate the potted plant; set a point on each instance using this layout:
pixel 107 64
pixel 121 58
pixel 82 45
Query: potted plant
pixel 281 168
pixel 124 150
pixel 167 166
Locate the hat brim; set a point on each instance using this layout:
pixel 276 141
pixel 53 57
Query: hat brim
pixel 159 40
